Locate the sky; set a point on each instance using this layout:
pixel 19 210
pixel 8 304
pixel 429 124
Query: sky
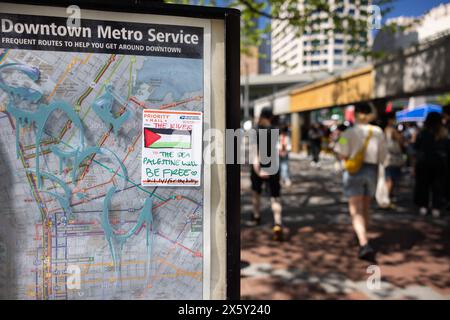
pixel 400 7
pixel 410 8
pixel 413 7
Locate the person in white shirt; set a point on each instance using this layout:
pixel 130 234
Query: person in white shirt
pixel 360 187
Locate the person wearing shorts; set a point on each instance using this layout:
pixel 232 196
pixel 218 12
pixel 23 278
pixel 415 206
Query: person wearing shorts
pixel 364 182
pixel 267 174
pixel 360 187
pixel 394 158
pixel 393 173
pixel 272 183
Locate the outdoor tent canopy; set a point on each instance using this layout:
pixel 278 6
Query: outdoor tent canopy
pixel 418 114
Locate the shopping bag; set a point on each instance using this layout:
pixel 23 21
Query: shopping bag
pixel 382 193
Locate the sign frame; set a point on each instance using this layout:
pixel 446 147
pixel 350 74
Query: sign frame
pixel 231 36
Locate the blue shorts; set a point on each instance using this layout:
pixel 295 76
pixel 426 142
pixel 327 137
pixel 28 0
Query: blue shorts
pixel 394 173
pixel 362 183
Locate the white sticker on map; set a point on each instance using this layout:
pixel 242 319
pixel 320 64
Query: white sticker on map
pixel 171 148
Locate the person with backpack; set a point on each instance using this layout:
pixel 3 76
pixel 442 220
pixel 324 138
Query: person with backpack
pixel 431 169
pixel 362 148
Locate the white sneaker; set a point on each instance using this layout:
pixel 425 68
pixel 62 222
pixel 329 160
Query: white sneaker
pixel 436 213
pixel 423 211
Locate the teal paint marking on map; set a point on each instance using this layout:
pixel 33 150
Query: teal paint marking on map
pixel 65 205
pixel 63 156
pixel 114 238
pixel 81 195
pixel 41 117
pixel 26 94
pixel 33 73
pixel 80 156
pixel 38 117
pixel 63 201
pixel 103 108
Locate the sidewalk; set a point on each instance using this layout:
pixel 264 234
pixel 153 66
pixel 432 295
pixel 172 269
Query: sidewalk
pixel 319 260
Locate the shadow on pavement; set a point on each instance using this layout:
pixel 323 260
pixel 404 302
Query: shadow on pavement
pixel 318 259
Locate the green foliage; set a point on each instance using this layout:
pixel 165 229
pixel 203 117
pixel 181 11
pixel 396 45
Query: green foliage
pixel 305 16
pixel 444 100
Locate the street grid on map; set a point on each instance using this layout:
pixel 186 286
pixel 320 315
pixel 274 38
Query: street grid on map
pixel 39 240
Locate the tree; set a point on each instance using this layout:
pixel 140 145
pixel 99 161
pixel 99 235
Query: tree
pixel 308 17
pixel 444 99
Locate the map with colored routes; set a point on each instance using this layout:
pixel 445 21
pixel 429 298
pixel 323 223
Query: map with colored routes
pixel 75 222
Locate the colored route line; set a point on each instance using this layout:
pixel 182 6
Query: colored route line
pixel 43 143
pixel 45 233
pixel 195 253
pixel 121 176
pixel 149 283
pixel 47 236
pixel 174 197
pixel 3 58
pixel 180 272
pixel 130 80
pixel 90 89
pixel 97 78
pixel 100 144
pixel 102 72
pixel 165 106
pixel 86 93
pixel 175 242
pixel 129 151
pixel 69 67
pixel 43 210
pixel 4 55
pixel 68 125
pixel 86 268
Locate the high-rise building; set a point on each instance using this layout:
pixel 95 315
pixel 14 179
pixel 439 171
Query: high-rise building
pixel 257 59
pixel 317 49
pixel 265 53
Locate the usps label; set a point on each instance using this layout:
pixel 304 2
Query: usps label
pixel 171 148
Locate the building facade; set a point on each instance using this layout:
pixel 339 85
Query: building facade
pixel 316 49
pixel 435 23
pixel 265 55
pixel 250 62
pixel 414 30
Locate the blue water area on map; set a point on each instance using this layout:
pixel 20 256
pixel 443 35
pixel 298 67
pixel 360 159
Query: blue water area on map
pixel 177 76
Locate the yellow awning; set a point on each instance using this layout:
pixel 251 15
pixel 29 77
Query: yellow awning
pixel 347 88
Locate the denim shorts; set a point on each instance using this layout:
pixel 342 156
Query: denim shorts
pixel 362 183
pixel 395 173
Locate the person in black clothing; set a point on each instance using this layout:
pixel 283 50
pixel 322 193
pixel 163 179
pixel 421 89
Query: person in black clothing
pixel 263 172
pixel 432 150
pixel 446 118
pixel 315 138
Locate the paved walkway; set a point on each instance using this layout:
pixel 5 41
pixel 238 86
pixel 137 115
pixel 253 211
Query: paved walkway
pixel 319 260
